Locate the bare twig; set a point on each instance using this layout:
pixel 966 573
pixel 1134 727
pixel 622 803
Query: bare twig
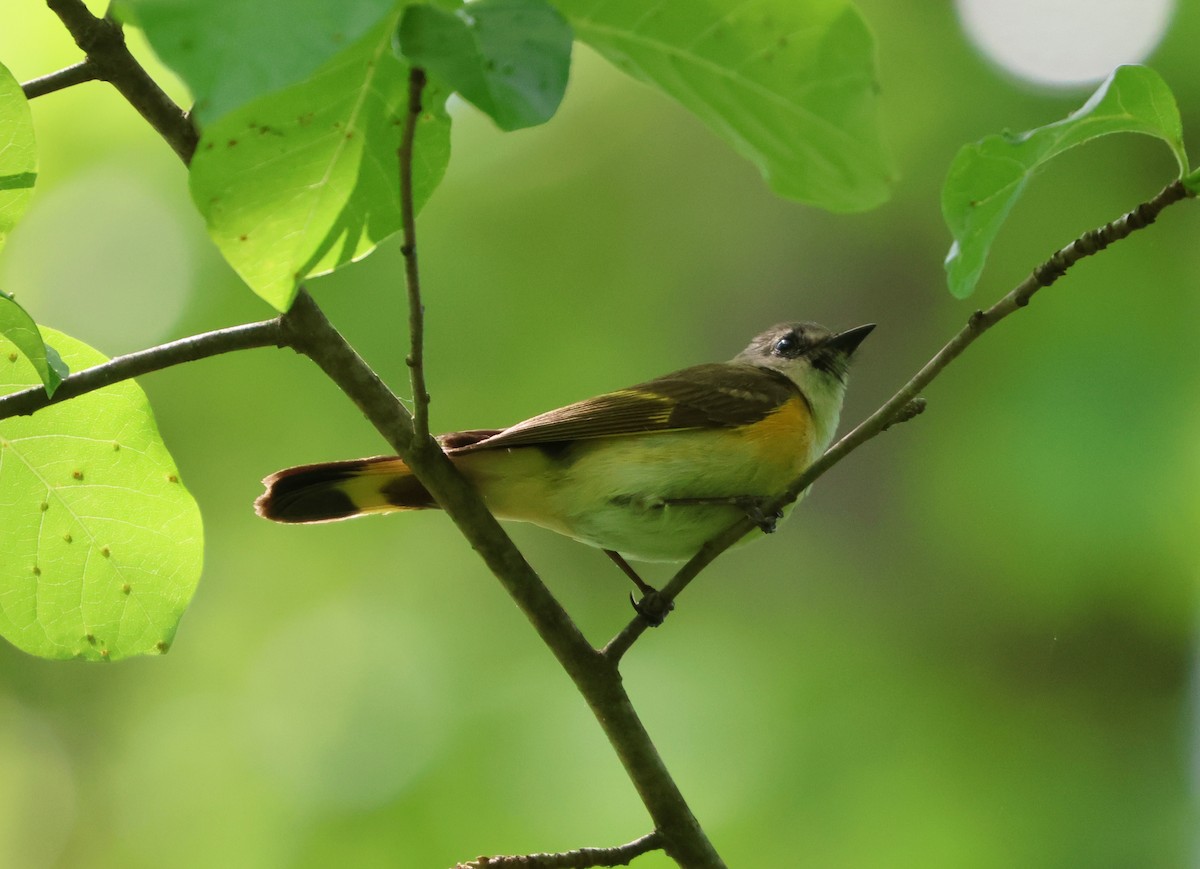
pixel 104 44
pixel 416 311
pixel 244 337
pixel 64 78
pixel 582 858
pixel 1043 275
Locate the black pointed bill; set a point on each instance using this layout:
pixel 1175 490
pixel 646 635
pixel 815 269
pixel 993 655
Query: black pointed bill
pixel 847 342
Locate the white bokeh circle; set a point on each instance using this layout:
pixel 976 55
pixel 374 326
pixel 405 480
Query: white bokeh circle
pixel 1065 43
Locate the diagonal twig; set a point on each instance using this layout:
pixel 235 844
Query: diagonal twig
pixel 1043 275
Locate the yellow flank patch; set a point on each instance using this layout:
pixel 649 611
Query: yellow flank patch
pixel 785 436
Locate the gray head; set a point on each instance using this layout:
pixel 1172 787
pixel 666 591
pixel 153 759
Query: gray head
pixel 815 359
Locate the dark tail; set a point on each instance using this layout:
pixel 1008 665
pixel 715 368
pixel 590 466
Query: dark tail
pixel 341 490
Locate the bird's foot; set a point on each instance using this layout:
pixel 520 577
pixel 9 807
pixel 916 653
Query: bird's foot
pixel 653 607
pixel 754 506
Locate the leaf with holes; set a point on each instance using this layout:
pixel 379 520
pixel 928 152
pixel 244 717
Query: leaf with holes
pixel 508 58
pixel 790 84
pixel 102 544
pixel 18 153
pixel 987 177
pixel 305 180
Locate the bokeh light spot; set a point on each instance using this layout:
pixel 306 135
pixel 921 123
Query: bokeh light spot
pixel 1065 42
pixel 105 258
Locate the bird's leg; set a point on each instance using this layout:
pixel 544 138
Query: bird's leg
pixel 619 560
pixel 752 505
pixel 651 607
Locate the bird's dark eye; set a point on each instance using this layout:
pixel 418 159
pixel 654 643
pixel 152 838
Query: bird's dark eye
pixel 787 345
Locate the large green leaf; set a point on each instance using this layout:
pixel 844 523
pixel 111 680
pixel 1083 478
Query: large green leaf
pixel 790 84
pixel 18 153
pixel 230 52
pixel 509 58
pixel 302 181
pixel 18 327
pixel 101 545
pixel 987 177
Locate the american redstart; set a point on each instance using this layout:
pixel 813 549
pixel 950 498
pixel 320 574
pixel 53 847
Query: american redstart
pixel 650 472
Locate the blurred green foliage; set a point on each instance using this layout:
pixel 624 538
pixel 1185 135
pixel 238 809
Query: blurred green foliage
pixel 972 646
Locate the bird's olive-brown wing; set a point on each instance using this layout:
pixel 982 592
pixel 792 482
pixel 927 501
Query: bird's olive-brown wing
pixel 719 395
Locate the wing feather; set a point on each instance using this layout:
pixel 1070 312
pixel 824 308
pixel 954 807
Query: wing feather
pixel 719 395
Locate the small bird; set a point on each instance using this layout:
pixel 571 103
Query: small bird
pixel 650 472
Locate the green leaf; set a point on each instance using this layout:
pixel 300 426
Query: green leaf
pixel 790 84
pixel 101 545
pixel 509 58
pixel 230 52
pixel 18 327
pixel 305 180
pixel 18 153
pixel 987 177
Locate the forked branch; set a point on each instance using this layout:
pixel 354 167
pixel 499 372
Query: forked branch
pixel 103 42
pixel 306 329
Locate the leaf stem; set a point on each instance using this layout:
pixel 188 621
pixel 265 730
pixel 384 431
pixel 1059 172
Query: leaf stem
pixel 896 407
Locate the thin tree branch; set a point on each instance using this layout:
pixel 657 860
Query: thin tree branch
pixel 412 279
pixel 582 858
pixel 83 71
pixel 103 42
pixel 244 337
pixel 307 330
pixel 1043 275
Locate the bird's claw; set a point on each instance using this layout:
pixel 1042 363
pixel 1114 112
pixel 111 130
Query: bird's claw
pixel 653 607
pixel 753 507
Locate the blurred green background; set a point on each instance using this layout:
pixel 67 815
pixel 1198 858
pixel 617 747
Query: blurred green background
pixel 974 645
